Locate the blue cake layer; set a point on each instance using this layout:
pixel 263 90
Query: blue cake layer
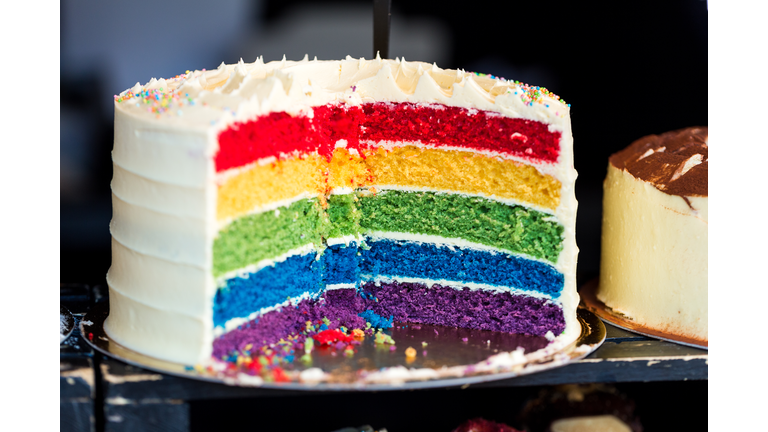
pixel 267 287
pixel 423 260
pixel 341 264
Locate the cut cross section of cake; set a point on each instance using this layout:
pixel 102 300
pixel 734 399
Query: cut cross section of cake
pixel 253 198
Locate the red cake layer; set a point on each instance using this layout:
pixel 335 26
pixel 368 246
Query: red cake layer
pixel 279 133
pixel 448 126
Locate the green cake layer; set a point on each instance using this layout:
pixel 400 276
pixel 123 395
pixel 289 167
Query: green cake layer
pixel 252 238
pixel 517 229
pixel 511 227
pixel 344 215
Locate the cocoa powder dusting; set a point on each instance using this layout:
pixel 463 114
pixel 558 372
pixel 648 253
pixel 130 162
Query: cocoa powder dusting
pixel 675 162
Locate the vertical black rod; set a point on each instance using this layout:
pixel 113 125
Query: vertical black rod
pixel 381 18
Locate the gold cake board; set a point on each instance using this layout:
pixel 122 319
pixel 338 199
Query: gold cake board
pixel 589 300
pixel 451 358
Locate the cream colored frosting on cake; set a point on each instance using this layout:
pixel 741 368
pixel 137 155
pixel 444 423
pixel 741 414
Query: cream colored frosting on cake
pixel 654 261
pixel 165 184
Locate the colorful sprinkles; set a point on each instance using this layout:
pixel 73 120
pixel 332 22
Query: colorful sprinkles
pixel 528 94
pixel 535 94
pixel 410 352
pixel 271 362
pixel 160 100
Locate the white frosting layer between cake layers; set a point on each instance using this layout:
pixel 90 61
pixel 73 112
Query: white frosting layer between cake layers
pixel 507 201
pixel 164 173
pixel 473 286
pixel 448 242
pixel 654 256
pixel 233 323
pixel 248 270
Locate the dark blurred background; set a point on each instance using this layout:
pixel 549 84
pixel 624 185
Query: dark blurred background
pixel 628 69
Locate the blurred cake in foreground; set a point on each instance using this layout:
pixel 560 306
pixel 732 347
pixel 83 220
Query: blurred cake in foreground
pixel 580 408
pixel 256 201
pixel 653 268
pixel 483 425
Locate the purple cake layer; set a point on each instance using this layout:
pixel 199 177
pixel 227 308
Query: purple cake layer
pixel 406 302
pixel 339 306
pixel 486 310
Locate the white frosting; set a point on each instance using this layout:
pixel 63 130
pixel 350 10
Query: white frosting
pixel 341 190
pixel 173 237
pixel 165 184
pixel 246 271
pixel 233 323
pixel 164 284
pixel 313 375
pixel 339 286
pixel 345 240
pixel 158 332
pixel 244 379
pixel 162 152
pixel 273 206
pixel 448 242
pixel 507 201
pixel 158 196
pixel 458 285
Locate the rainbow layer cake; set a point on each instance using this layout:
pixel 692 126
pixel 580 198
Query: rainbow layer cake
pixel 254 198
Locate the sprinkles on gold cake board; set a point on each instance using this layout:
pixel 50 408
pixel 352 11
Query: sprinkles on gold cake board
pixel 273 362
pixel 270 361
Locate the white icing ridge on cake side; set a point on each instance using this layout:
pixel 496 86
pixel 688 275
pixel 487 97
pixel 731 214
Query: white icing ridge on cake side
pixel 164 284
pixel 158 196
pixel 184 338
pixel 181 239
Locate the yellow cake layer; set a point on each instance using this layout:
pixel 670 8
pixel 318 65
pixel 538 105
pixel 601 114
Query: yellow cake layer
pixel 408 166
pixel 463 171
pixel 264 184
